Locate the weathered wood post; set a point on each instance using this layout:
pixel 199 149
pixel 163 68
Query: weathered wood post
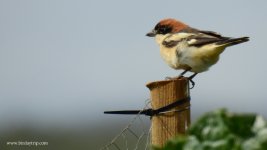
pixel 175 121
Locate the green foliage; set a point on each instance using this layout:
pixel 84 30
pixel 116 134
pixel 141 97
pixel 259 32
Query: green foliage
pixel 221 130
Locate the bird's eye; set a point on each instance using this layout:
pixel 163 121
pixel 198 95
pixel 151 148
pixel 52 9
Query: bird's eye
pixel 164 30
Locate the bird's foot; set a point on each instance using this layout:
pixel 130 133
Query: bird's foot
pixel 191 80
pixel 192 83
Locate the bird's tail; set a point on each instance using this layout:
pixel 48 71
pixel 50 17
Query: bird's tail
pixel 232 41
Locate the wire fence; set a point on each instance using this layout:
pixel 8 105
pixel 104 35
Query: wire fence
pixel 135 136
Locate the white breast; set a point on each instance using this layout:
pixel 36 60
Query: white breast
pixel 169 56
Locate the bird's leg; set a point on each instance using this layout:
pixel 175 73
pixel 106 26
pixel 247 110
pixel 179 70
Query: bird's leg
pixel 181 74
pixel 191 80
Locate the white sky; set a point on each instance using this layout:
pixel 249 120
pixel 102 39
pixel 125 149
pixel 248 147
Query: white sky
pixel 65 62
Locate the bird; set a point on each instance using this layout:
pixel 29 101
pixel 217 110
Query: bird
pixel 186 48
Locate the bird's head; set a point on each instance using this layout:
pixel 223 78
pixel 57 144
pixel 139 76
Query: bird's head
pixel 166 27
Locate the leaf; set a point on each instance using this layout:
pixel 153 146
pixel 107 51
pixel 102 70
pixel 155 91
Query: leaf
pixel 241 124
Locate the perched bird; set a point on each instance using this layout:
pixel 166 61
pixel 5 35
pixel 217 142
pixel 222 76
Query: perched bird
pixel 190 49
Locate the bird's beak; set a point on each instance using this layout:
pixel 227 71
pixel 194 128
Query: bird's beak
pixel 151 34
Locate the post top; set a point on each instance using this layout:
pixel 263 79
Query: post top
pixel 151 85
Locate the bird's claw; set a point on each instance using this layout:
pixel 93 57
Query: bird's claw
pixel 192 82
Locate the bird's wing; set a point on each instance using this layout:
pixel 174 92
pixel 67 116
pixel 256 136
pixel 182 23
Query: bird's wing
pixel 173 39
pixel 211 33
pixel 193 37
pixel 207 33
pixel 202 39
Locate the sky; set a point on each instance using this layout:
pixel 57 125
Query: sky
pixel 65 62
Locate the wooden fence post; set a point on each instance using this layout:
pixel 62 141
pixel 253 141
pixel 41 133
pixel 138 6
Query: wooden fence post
pixel 168 125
